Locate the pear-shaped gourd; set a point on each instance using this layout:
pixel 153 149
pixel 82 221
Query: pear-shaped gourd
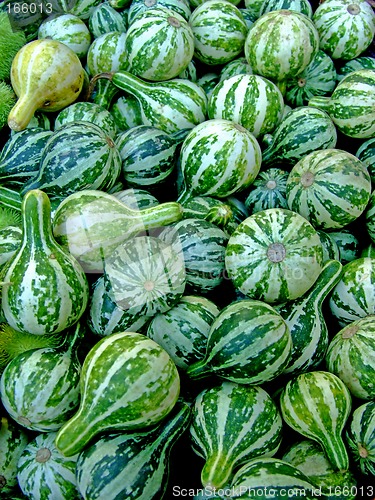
pixel 352 104
pixel 128 382
pixel 132 465
pixel 170 105
pixel 44 288
pixel 92 224
pixel 231 424
pixel 317 404
pixel 46 75
pixel 40 387
pixel 306 322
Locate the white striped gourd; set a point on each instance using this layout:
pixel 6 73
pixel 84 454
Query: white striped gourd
pixel 137 7
pixel 306 322
pixel 132 465
pixel 330 247
pixel 128 392
pixel 104 19
pixel 366 153
pixel 252 101
pixel 43 472
pixel 248 342
pixel 171 105
pixel 346 27
pixel 225 437
pixel 274 255
pixel 219 31
pixel 363 62
pixel 39 273
pixel 93 162
pixel 218 158
pixel 329 187
pixel 360 436
pixel 317 404
pixel 302 6
pixel 40 84
pixel 159 44
pixel 269 55
pixel 353 297
pixel 211 209
pixel 91 224
pixel 351 105
pixel 40 387
pixel 351 356
pixel 268 190
pixel 183 330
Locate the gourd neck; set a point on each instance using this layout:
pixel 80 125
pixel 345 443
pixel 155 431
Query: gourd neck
pixel 217 470
pixel 36 219
pixel 22 112
pixel 123 80
pixel 336 452
pixel 158 216
pixel 320 102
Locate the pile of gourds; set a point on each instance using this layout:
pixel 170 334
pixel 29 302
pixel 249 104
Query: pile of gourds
pixel 187 264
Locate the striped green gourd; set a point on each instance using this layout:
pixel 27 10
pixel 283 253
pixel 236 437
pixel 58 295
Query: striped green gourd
pixel 248 16
pixel 219 212
pixel 40 387
pixel 10 242
pixel 252 101
pixel 128 392
pixel 137 7
pixel 13 440
pixel 249 343
pixel 183 330
pixel 208 81
pixel 317 404
pixel 218 158
pixel 302 6
pixel 21 154
pixel 269 55
pixel 231 424
pixel 132 465
pixel 45 290
pixel 351 105
pixel 219 32
pixel 147 276
pixel 43 472
pixel 81 8
pixel 239 66
pixel 126 112
pixel 307 324
pixel 268 474
pixel 201 245
pixel 268 190
pixel 10 198
pixel 171 105
pixel 136 198
pixel 366 153
pixel 105 19
pixel 318 78
pixel 351 356
pixel 309 458
pixel 159 44
pixel 362 62
pixel 360 436
pixel 347 243
pixel 105 316
pixel 302 131
pixel 329 187
pixel 353 297
pixel 370 217
pixel 93 161
pixel 330 247
pixel 46 75
pixel 346 27
pixel 149 155
pixel 91 224
pixel 68 29
pixel 274 255
pixel 88 112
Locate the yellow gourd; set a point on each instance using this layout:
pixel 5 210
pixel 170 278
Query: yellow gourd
pixel 45 75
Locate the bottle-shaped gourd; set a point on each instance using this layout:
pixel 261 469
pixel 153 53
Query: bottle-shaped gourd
pixel 46 75
pixel 44 289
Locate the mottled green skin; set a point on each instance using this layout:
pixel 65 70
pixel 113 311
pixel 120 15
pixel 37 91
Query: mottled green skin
pixel 330 187
pixel 137 7
pixel 104 19
pixel 353 296
pixel 360 436
pixel 301 6
pixel 13 440
pixel 132 465
pixel 362 62
pixel 366 153
pixel 351 356
pixel 344 33
pixel 107 53
pixel 270 275
pixel 88 112
pixel 231 424
pixel 317 404
pixel 268 190
pixel 128 382
pixel 10 241
pixel 50 478
pixel 159 44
